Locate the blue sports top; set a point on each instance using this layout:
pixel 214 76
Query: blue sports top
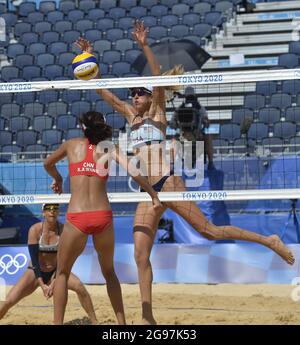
pixel 145 132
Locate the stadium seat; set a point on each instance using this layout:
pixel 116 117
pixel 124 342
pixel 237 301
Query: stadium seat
pixel 70 36
pixel 111 56
pixel 26 137
pixel 202 30
pixel 281 100
pixel 87 5
pixel 21 28
pixel 266 88
pixel 66 6
pixel 131 55
pixel 116 13
pixel 70 96
pixel 148 3
pixel 15 49
pixel 294 47
pixel 284 129
pixel 274 144
pixel 47 6
pixel 65 122
pixel 291 87
pixel 229 131
pixel 49 37
pixel 123 44
pixel 288 60
pixel 269 115
pixel 158 32
pixel 48 96
pixel 238 115
pixel 202 8
pixel 55 16
pixel 158 11
pixel 11 148
pixel 120 68
pixel 45 59
pixel 17 123
pixel 102 45
pixel 34 17
pixel 29 37
pixel 114 34
pixel 292 114
pixel 37 48
pixel 57 48
pixel 137 12
pixel 73 133
pixel 213 18
pixel 254 101
pixel 191 19
pixel 294 145
pixel 51 136
pixel 258 131
pixel 79 107
pixel 179 31
pixel 33 109
pixel 224 6
pixel 53 71
pixel 41 27
pixel 25 97
pixel 5 137
pixel 62 26
pixel 180 9
pixel 42 122
pixel 95 14
pixel 126 23
pixel 9 110
pixel 65 59
pixel 169 20
pixel 3 123
pixel 26 7
pixel 35 151
pixel 75 15
pixel 56 108
pixel 242 145
pixel 83 25
pixel 107 4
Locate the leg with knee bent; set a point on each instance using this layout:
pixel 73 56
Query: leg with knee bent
pixel 84 297
pixel 24 287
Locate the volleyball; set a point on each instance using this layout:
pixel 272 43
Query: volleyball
pixel 85 66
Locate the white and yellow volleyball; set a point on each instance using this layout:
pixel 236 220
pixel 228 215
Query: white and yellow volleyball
pixel 85 66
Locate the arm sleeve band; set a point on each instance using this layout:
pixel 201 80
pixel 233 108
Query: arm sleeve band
pixel 34 255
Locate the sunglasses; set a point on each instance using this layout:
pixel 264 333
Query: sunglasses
pixel 139 92
pixel 51 208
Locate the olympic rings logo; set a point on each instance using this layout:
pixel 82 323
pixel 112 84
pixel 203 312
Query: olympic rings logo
pixel 10 264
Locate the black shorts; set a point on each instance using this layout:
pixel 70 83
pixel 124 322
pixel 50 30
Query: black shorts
pixel 46 276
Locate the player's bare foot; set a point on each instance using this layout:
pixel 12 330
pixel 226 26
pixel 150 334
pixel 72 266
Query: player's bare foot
pixel 281 249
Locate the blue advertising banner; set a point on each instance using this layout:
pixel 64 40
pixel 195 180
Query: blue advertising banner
pixel 173 263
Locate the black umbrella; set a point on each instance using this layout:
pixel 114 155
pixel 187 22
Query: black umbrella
pixel 180 52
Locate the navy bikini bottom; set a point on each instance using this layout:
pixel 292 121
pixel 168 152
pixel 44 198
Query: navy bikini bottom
pixel 159 184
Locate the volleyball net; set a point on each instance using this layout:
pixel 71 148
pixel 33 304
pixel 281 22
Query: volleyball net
pixel 253 130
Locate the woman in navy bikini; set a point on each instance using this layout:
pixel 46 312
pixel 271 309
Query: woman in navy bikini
pixel 43 239
pixel 89 210
pixel 147 118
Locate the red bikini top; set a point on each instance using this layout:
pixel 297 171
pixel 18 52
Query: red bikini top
pixel 88 166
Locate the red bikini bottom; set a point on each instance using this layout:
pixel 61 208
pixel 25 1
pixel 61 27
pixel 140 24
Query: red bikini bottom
pixel 90 222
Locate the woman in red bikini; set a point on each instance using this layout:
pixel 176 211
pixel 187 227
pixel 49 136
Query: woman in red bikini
pixel 89 211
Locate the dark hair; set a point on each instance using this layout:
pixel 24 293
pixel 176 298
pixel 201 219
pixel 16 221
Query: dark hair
pixel 94 127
